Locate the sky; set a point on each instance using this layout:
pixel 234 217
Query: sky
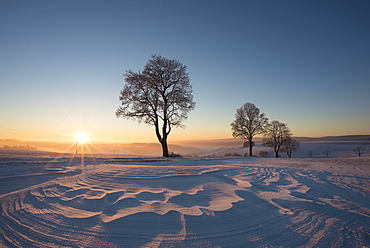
pixel 303 63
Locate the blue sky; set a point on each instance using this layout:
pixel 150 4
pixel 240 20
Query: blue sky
pixel 304 63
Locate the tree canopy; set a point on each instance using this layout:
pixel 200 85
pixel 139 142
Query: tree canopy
pixel 275 135
pixel 290 145
pixel 248 123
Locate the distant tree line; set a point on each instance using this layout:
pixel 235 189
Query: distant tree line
pixel 21 147
pixel 358 150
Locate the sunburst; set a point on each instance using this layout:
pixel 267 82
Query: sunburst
pixel 82 137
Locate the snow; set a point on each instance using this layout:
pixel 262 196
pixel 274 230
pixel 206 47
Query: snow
pixel 58 200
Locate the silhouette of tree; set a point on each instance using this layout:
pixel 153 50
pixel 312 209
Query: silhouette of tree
pixel 160 95
pixel 264 154
pixel 275 135
pixel 359 151
pixel 326 152
pixel 290 145
pixel 248 123
pixel 309 153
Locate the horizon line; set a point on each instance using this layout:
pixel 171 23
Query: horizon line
pixel 185 140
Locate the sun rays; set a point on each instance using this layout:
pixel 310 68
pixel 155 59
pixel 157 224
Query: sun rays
pixel 82 137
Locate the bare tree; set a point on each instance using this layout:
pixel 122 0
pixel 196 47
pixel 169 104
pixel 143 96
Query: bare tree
pixel 264 154
pixel 359 151
pixel 326 152
pixel 248 123
pixel 309 153
pixel 160 95
pixel 275 135
pixel 290 145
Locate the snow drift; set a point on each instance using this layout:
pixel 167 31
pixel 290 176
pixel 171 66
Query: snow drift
pixel 246 202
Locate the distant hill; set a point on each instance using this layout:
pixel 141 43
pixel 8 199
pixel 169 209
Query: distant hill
pixel 344 138
pixel 187 147
pixel 219 143
pixel 147 149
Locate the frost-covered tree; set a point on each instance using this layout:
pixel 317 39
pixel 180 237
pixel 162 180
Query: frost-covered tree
pixel 275 135
pixel 248 123
pixel 359 151
pixel 289 146
pixel 160 95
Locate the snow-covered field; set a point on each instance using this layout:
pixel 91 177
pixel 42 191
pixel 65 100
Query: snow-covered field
pixel 53 200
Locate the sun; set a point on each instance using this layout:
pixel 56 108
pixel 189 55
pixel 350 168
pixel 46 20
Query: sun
pixel 82 137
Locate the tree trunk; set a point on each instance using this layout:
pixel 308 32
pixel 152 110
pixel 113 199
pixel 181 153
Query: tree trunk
pixel 163 142
pixel 277 154
pixel 164 148
pixel 250 147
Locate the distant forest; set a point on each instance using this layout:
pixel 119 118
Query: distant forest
pixel 21 147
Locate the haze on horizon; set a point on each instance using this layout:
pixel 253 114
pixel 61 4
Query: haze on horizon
pixel 303 63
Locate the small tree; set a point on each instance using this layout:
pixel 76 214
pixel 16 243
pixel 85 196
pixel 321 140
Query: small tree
pixel 275 135
pixel 247 144
pixel 359 151
pixel 309 153
pixel 264 154
pixel 160 95
pixel 248 123
pixel 326 152
pixel 290 145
